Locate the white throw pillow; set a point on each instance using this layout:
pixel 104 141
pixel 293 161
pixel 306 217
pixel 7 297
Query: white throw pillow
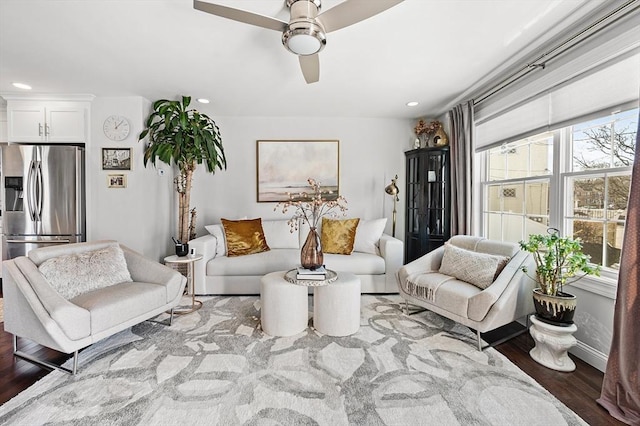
pixel 218 232
pixel 278 234
pixel 479 269
pixel 75 274
pixel 368 235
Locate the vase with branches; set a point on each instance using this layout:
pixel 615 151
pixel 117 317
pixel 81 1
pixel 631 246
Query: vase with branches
pixel 184 137
pixel 426 130
pixel 310 207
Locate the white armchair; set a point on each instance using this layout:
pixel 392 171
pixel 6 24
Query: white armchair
pixel 68 320
pixel 506 299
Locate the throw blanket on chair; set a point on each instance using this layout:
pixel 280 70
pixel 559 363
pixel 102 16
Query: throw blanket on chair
pixel 421 287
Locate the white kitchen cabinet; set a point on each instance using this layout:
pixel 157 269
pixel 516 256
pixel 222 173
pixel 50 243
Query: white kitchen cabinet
pixel 3 125
pixel 32 121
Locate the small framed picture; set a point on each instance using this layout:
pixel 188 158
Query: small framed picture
pixel 117 181
pixel 116 158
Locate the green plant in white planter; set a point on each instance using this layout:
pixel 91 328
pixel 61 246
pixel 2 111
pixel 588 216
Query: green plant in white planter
pixel 557 259
pixel 186 138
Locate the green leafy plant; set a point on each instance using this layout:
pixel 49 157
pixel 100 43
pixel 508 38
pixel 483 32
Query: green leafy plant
pixel 557 259
pixel 186 138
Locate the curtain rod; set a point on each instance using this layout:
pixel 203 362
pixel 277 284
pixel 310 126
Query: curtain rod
pixel 566 45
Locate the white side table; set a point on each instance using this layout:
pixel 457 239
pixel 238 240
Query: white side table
pixel 284 307
pixel 552 344
pixel 336 306
pixel 190 261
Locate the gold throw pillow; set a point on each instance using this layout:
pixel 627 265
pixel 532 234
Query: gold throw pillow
pixel 244 237
pixel 338 236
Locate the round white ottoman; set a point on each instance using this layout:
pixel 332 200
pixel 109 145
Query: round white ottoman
pixel 285 306
pixel 336 306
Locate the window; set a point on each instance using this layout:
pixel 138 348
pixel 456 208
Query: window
pixel 597 184
pixel 584 196
pixel 516 200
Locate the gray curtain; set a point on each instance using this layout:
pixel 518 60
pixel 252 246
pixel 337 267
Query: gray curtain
pixel 620 393
pixel 461 147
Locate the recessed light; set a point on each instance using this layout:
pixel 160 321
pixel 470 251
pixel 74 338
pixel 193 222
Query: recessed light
pixel 22 86
pixel 203 100
pixel 412 104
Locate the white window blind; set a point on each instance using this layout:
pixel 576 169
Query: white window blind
pixel 601 73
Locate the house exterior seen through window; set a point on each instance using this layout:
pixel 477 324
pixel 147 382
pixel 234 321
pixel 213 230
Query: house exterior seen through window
pixel 576 179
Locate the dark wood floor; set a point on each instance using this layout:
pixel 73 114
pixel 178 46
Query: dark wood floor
pixel 578 390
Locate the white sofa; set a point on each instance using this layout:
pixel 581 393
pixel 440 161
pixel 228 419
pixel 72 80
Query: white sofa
pixel 375 260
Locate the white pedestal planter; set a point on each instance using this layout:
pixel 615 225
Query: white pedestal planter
pixel 552 344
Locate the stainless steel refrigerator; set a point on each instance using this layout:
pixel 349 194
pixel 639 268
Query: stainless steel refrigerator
pixel 43 188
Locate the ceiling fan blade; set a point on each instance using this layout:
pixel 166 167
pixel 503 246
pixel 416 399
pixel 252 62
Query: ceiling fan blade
pixel 310 65
pixel 241 15
pixel 351 11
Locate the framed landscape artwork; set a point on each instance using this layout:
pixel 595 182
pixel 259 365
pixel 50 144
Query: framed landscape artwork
pixel 284 166
pixel 116 158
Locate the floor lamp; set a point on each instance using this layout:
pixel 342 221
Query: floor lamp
pixel 392 189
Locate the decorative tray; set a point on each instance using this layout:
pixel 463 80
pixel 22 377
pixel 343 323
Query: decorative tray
pixel 290 276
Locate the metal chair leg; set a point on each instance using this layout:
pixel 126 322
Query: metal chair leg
pixel 168 322
pixel 43 363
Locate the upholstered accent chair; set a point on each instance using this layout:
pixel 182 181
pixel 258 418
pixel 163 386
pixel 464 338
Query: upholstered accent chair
pixel 471 280
pixel 70 296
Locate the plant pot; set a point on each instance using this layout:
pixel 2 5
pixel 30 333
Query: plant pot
pixel 182 249
pixel 555 310
pixel 311 256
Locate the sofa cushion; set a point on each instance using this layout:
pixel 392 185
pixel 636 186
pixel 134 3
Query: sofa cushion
pixel 368 235
pixel 356 263
pixel 338 236
pixel 244 237
pixel 454 296
pixel 255 264
pixel 79 273
pixel 279 236
pixel 112 306
pixel 285 259
pixel 479 269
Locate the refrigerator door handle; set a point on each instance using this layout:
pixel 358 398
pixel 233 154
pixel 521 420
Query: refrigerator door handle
pixel 39 241
pixel 39 186
pixel 30 190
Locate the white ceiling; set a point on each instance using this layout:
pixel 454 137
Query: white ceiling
pixel 431 51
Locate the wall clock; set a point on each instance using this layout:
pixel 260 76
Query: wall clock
pixel 116 127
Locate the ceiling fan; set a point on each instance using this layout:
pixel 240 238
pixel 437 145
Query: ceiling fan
pixel 304 34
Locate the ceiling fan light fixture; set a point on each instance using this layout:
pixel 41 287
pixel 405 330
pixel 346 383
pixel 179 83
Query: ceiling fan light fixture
pixel 307 40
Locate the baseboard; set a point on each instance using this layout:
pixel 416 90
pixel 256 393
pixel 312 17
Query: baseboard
pixel 590 355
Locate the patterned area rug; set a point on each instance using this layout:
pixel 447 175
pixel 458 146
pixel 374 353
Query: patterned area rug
pixel 216 367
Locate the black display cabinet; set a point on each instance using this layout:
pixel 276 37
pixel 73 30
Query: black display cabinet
pixel 428 201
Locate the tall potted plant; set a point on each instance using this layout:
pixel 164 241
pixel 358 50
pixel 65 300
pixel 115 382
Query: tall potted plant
pixel 557 259
pixel 186 138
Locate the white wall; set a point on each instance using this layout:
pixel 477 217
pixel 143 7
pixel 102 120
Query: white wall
pixel 594 319
pixel 140 215
pixel 143 215
pixel 371 153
